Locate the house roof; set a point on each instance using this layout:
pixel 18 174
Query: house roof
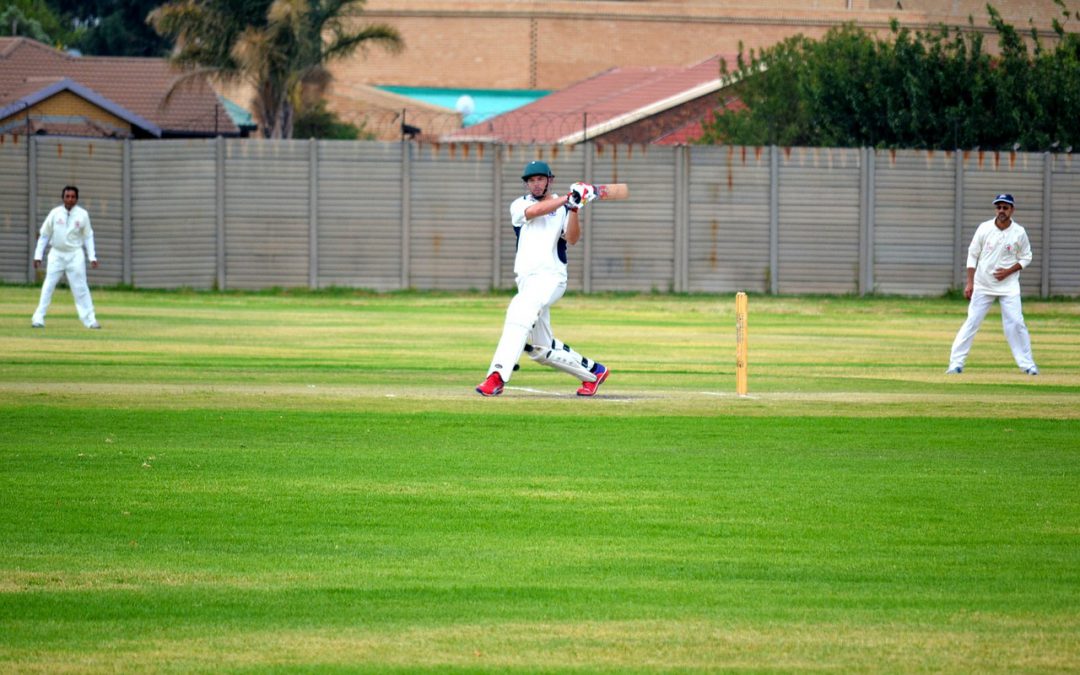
pixel 600 104
pixel 37 91
pixel 137 85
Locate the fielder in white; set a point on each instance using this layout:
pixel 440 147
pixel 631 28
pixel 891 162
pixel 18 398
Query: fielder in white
pixel 998 251
pixel 67 228
pixel 544 224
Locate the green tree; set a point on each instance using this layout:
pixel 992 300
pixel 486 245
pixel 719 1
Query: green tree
pixel 115 27
pixel 776 112
pixel 35 19
pixel 1057 76
pixel 923 89
pixel 14 22
pixel 315 121
pixel 281 51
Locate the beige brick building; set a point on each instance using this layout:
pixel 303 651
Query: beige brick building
pixel 527 44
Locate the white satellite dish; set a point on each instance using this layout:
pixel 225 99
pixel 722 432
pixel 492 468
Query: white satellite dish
pixel 465 105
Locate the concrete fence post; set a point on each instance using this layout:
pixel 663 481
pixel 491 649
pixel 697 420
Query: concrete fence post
pixel 219 215
pixel 959 251
pixel 496 211
pixel 31 207
pixel 866 221
pixel 774 219
pixel 126 244
pixel 1048 217
pixel 406 211
pixel 313 213
pixel 681 279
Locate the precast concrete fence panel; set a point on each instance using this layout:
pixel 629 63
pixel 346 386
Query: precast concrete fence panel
pixel 257 213
pixel 17 233
pixel 174 233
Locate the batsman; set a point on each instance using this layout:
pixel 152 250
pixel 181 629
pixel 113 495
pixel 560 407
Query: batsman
pixel 544 223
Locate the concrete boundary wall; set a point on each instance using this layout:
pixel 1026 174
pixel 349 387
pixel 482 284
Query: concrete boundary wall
pixel 252 214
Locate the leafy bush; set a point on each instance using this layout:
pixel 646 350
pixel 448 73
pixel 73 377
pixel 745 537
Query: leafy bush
pixel 316 121
pixel 934 89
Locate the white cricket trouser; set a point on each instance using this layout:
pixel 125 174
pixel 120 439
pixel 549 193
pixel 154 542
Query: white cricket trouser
pixel 74 266
pixel 1012 321
pixel 528 319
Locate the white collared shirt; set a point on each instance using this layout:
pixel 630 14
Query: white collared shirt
pixel 67 231
pixel 538 244
pixel 992 248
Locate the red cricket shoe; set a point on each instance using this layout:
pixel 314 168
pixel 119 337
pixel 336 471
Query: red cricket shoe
pixel 492 386
pixel 589 388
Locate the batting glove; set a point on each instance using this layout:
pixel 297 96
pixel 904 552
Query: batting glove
pixel 573 201
pixel 587 192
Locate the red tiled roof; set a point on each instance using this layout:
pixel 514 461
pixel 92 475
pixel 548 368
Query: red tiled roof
pixel 599 104
pixel 138 84
pixel 26 88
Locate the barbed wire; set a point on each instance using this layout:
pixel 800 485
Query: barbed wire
pixel 519 127
pixel 516 127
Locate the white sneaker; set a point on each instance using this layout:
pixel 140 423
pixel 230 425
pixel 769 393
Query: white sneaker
pixel 1032 371
pixel 94 326
pixel 955 371
pixel 36 324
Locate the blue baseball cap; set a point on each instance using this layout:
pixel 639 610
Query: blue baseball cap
pixel 1006 198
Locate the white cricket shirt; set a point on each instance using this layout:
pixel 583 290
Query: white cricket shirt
pixel 67 232
pixel 541 248
pixel 991 249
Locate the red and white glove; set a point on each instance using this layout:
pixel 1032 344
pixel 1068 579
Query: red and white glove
pixel 587 192
pixel 573 201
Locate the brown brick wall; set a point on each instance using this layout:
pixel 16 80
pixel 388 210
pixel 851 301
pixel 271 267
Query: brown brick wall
pixel 496 53
pixel 653 127
pixel 521 44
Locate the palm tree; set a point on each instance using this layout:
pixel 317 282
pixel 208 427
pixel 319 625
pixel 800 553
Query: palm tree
pixel 279 47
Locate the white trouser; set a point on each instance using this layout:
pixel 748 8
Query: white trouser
pixel 1012 321
pixel 72 264
pixel 528 320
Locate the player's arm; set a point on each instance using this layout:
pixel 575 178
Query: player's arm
pixel 975 248
pixel 43 240
pixel 88 242
pixel 969 287
pixel 1024 255
pixel 545 206
pixel 572 234
pixel 973 261
pixel 579 195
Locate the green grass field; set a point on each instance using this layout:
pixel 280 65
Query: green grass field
pixel 307 481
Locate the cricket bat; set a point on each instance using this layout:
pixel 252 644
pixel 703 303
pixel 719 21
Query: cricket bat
pixel 613 191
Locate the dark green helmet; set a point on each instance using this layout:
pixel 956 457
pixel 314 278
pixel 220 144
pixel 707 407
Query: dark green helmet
pixel 536 168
